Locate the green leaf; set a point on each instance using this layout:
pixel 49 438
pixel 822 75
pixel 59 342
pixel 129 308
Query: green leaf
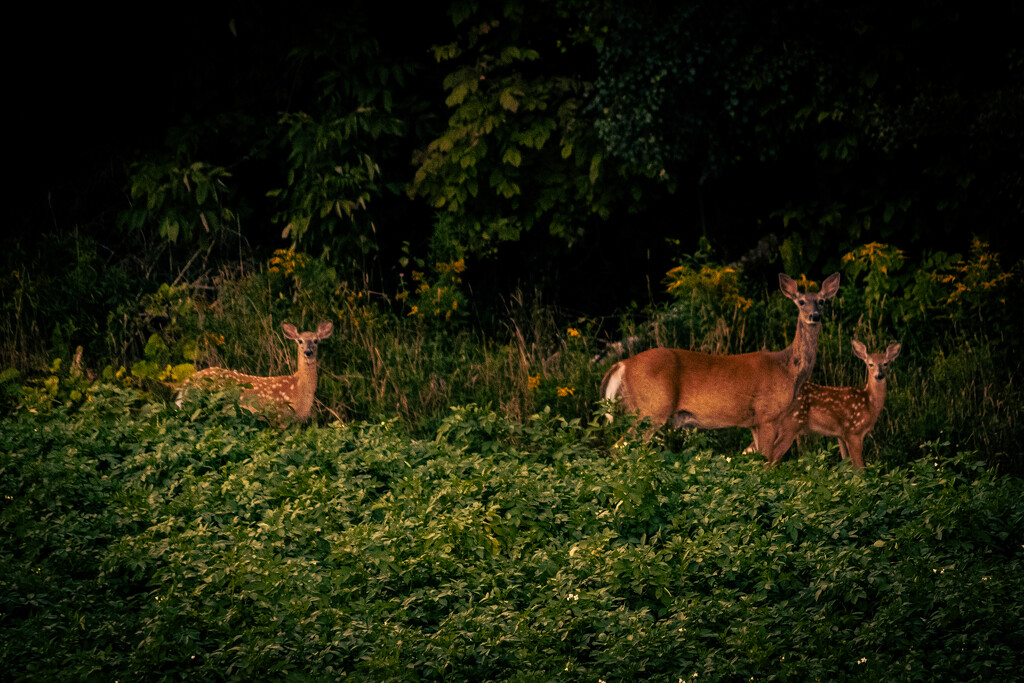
pixel 512 156
pixel 595 168
pixel 508 100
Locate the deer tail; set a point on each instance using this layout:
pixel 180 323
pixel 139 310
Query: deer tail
pixel 611 385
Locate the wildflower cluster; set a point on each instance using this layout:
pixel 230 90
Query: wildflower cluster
pixel 878 263
pixel 874 256
pixel 357 309
pixel 287 261
pixel 213 339
pixel 547 390
pixel 437 297
pixel 716 285
pixel 298 280
pixel 566 379
pixel 971 282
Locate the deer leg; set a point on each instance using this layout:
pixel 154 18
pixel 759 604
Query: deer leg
pixel 844 451
pixel 753 444
pixel 783 441
pixel 767 442
pixel 855 447
pixel 649 433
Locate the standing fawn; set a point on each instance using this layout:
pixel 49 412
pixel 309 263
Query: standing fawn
pixel 295 391
pixel 846 412
pixel 711 391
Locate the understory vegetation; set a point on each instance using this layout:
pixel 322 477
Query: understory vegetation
pixel 413 353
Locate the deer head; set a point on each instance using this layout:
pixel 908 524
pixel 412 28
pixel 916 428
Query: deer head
pixel 876 363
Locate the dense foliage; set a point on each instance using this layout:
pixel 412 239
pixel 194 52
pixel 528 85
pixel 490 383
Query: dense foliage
pixel 141 542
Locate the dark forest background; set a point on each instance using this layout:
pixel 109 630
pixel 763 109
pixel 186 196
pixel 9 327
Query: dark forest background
pixel 559 142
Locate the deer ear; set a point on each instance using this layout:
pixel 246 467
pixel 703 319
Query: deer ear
pixel 830 286
pixel 290 331
pixel 892 352
pixel 859 349
pixel 325 329
pixel 788 286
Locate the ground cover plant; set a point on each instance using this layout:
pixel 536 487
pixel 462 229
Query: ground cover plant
pixel 144 542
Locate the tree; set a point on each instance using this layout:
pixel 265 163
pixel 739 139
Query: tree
pixel 519 151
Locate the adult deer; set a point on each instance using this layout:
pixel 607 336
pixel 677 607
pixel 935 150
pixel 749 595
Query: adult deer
pixel 295 391
pixel 849 413
pixel 710 391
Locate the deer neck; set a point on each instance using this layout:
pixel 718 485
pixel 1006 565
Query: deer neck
pixel 305 387
pixel 875 390
pixel 803 352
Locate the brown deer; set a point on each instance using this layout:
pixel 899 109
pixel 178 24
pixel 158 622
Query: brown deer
pixel 847 412
pixel 295 391
pixel 712 391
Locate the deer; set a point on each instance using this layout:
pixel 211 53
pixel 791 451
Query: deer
pixel 295 391
pixel 849 413
pixel 713 391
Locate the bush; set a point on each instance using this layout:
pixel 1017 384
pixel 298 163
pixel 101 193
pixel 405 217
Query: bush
pixel 145 543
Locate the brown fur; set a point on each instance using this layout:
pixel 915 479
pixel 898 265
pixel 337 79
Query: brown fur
pixel 710 391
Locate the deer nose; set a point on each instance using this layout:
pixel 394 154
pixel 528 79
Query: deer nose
pixel 815 316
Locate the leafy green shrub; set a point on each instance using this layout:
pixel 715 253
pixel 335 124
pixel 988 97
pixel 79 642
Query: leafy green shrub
pixel 146 543
pixel 55 295
pixel 181 197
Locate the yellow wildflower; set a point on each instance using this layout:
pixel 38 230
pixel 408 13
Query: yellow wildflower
pixel 533 381
pixel 566 391
pixel 573 332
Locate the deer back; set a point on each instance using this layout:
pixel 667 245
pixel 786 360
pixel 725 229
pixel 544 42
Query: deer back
pixel 705 390
pixel 833 411
pixel 256 392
